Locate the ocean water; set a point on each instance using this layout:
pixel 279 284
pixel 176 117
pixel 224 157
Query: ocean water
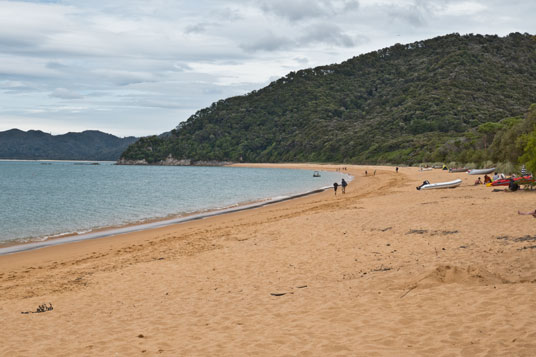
pixel 40 200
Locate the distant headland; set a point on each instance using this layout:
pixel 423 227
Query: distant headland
pixel 37 145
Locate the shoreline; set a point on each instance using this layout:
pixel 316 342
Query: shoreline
pixel 106 232
pixel 26 244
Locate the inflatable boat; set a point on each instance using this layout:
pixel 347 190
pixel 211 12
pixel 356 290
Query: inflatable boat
pixel 429 186
pixel 525 180
pixel 481 171
pixel 459 169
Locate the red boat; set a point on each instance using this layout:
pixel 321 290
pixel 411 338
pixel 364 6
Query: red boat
pixel 524 180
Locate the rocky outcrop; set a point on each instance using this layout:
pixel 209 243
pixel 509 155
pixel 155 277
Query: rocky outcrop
pixel 171 161
pixel 131 162
pixel 211 163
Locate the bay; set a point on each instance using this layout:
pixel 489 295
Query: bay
pixel 40 200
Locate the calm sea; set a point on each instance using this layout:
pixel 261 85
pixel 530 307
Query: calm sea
pixel 40 200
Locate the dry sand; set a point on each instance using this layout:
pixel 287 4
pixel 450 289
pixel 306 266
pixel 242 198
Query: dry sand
pixel 384 270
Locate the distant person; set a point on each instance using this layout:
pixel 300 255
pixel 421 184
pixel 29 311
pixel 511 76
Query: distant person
pixel 524 171
pixel 532 213
pixel 335 186
pixel 513 186
pixel 478 181
pixel 496 176
pixel 396 169
pixel 366 173
pixel 487 179
pixel 343 185
pixel 374 172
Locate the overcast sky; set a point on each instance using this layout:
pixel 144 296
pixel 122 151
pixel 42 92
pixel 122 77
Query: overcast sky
pixel 139 67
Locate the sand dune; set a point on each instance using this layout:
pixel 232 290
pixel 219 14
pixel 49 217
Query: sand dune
pixel 384 270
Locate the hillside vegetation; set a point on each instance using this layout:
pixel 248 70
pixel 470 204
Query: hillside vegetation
pixel 37 145
pixel 442 99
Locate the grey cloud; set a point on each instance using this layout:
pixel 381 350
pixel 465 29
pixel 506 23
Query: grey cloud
pixel 12 84
pixel 414 15
pixel 198 28
pixel 302 60
pixel 15 86
pixel 97 94
pixel 181 67
pixel 327 34
pixel 19 44
pixel 64 93
pixel 269 42
pixel 123 78
pixel 212 90
pixel 295 10
pixel 157 103
pixel 351 5
pixel 292 10
pixel 226 14
pixel 320 33
pixel 57 65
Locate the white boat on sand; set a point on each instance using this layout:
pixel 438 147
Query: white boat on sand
pixel 481 171
pixel 458 169
pixel 449 184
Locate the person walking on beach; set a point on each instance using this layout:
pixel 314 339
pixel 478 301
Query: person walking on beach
pixel 396 169
pixel 335 186
pixel 343 186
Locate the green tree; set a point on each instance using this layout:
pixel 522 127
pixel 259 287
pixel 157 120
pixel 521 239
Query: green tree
pixel 488 130
pixel 529 156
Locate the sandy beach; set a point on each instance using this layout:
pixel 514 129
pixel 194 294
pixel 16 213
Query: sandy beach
pixel 383 270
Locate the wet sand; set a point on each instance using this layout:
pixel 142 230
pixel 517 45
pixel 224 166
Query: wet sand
pixel 380 271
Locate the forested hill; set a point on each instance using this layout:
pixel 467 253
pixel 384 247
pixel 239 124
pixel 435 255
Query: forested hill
pixel 37 145
pixel 402 104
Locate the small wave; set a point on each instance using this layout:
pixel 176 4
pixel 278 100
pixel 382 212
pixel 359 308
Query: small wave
pixel 277 198
pixel 59 235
